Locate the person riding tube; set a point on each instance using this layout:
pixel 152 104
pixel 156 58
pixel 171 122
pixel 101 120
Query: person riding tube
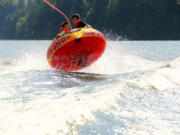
pixel 78 23
pixel 64 29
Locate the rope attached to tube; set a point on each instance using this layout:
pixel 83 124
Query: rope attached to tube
pixel 58 11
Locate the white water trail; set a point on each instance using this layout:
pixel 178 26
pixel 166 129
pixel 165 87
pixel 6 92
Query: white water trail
pixel 141 97
pixel 116 60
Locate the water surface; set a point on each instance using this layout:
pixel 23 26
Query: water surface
pixel 134 89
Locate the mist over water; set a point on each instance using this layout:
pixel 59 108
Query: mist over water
pixel 134 88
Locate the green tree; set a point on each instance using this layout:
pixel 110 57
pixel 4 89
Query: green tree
pixel 135 19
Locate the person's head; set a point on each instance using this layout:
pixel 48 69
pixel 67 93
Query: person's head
pixel 65 25
pixel 75 18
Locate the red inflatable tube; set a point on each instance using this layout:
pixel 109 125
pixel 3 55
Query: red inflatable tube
pixel 76 50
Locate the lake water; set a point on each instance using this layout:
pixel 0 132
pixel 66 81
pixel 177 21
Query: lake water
pixel 133 89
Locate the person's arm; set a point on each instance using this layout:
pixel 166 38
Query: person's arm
pixel 88 26
pixel 82 24
pixel 60 34
pixel 60 30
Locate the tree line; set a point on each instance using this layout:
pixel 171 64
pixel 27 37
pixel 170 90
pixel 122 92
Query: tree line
pixel 133 19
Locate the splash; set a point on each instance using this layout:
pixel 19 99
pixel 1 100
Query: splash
pixel 117 60
pixel 112 36
pixel 140 96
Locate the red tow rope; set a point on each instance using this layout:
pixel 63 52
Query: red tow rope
pixel 59 12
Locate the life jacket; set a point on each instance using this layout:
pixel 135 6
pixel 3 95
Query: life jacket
pixel 64 29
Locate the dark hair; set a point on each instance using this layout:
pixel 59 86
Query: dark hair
pixel 77 16
pixel 64 23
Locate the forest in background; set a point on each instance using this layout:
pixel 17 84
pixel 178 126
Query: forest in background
pixel 132 19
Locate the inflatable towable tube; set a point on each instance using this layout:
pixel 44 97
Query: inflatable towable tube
pixel 76 49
